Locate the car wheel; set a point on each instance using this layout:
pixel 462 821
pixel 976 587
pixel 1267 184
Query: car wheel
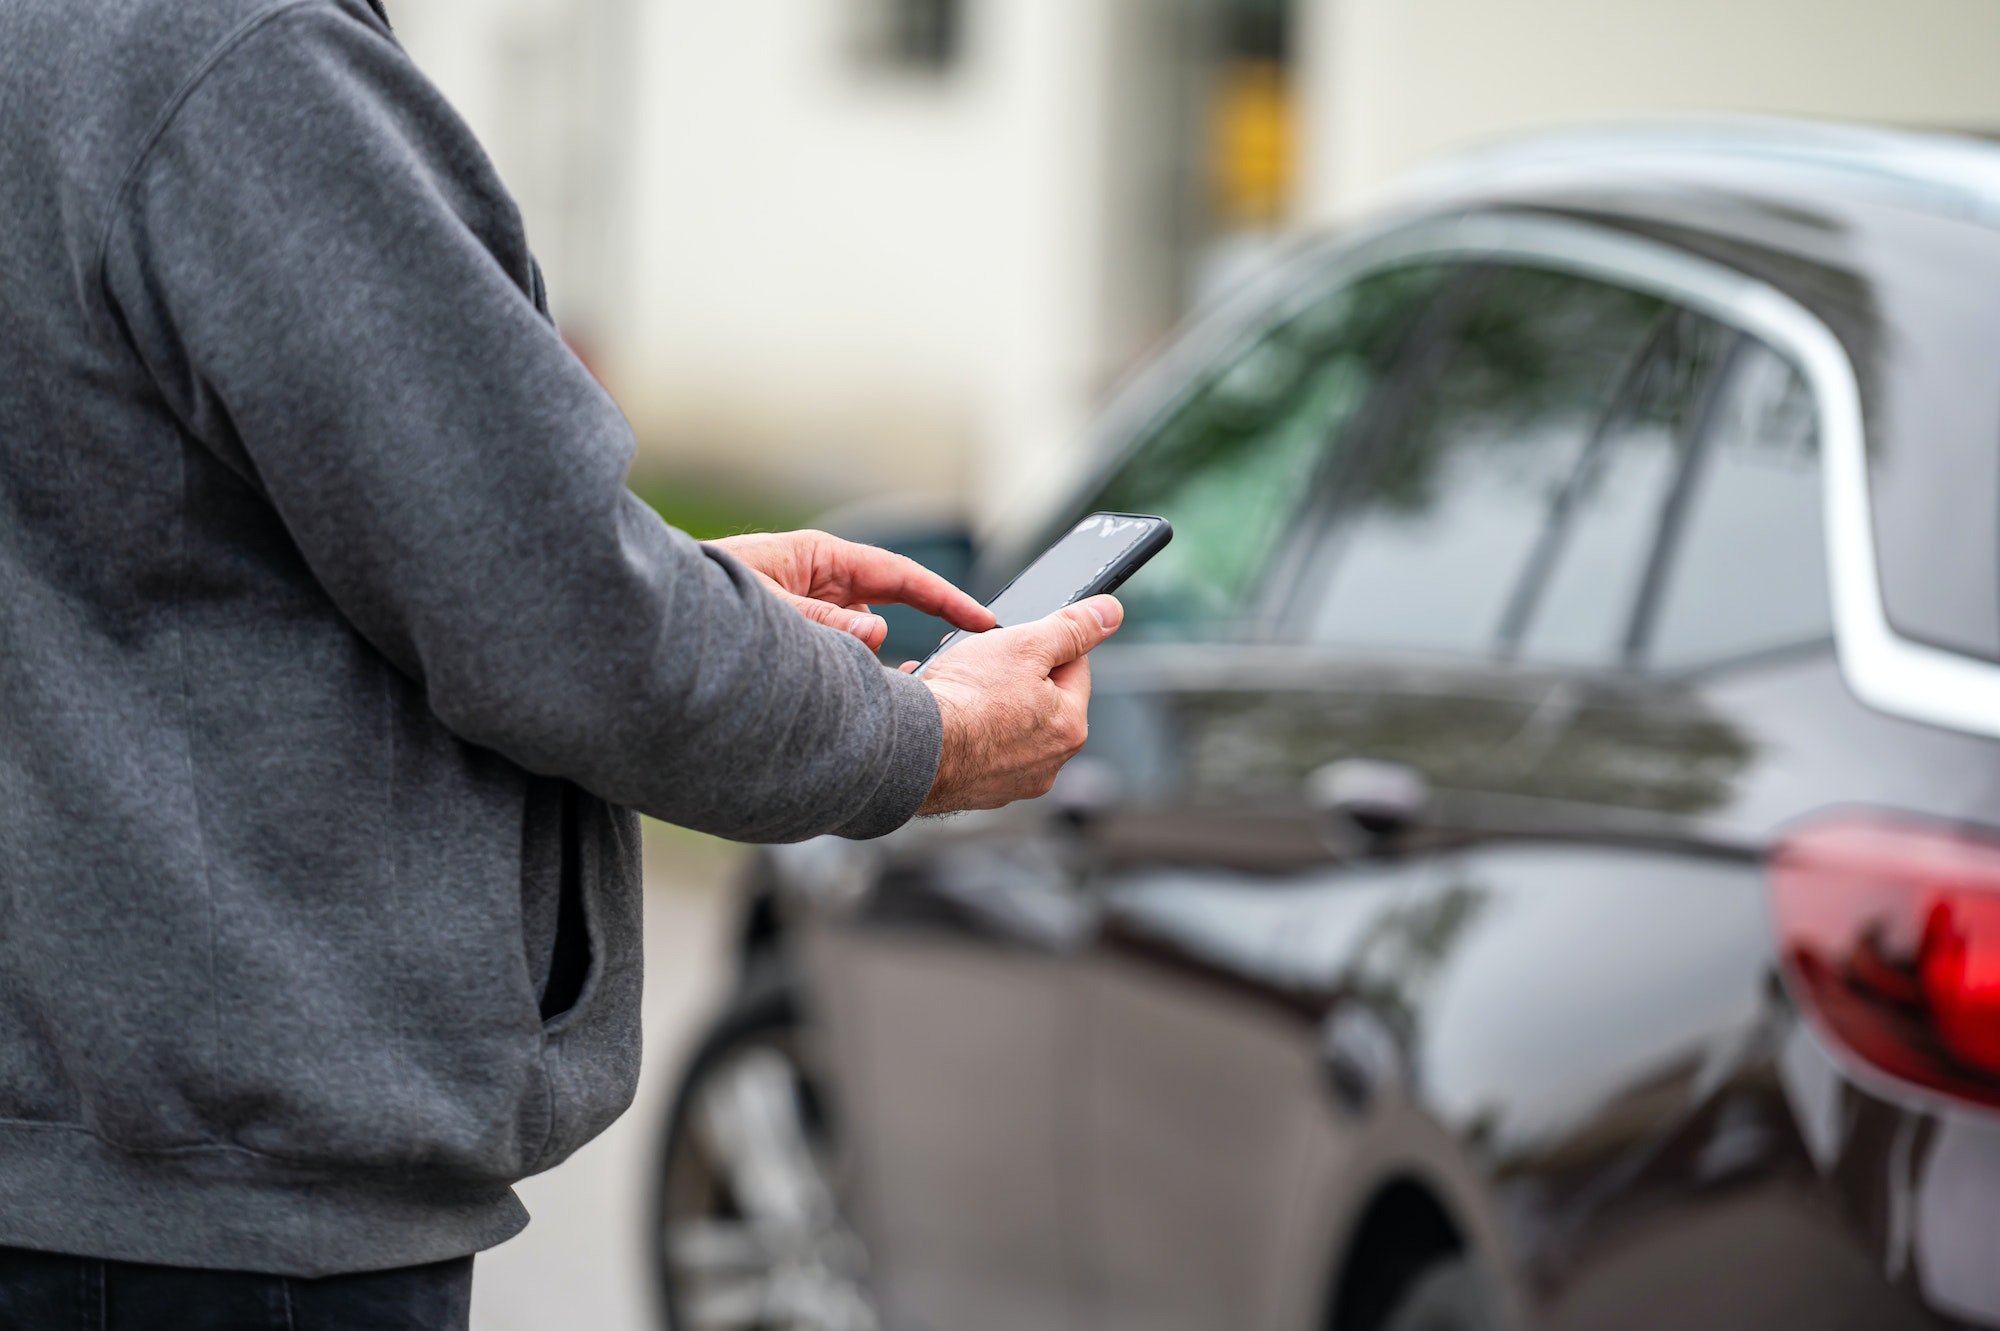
pixel 748 1230
pixel 1450 1295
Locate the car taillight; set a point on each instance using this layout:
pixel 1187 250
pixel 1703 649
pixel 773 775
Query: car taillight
pixel 1890 937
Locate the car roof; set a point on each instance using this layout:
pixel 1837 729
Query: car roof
pixel 1937 174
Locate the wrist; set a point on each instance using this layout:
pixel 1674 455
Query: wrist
pixel 952 754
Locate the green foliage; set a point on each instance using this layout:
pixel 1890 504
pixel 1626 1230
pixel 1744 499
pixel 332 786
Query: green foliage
pixel 706 507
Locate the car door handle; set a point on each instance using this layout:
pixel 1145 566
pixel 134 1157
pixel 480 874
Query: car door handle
pixel 1379 798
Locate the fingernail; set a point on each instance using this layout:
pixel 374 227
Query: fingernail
pixel 865 627
pixel 1110 614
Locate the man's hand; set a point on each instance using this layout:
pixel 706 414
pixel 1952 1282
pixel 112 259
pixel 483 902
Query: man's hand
pixel 833 582
pixel 1016 706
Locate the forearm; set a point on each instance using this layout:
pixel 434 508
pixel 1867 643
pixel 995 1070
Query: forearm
pixel 669 679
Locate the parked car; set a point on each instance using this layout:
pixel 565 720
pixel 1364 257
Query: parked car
pixel 1537 859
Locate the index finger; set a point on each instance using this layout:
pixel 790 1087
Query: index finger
pixel 869 573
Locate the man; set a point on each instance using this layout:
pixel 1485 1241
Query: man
pixel 333 658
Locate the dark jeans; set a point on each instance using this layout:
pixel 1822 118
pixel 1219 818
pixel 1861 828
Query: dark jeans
pixel 42 1291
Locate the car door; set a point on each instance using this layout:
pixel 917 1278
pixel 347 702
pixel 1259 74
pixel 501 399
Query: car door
pixel 944 969
pixel 1266 837
pixel 937 976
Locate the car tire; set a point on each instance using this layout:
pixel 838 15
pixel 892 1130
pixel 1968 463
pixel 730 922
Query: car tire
pixel 1451 1295
pixel 747 1230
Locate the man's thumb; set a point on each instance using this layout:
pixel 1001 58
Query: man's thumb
pixel 1072 631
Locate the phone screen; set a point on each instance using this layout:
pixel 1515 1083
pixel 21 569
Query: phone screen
pixel 1096 555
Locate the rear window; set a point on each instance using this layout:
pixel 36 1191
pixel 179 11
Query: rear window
pixel 1441 526
pixel 1745 571
pixel 1581 609
pixel 1586 476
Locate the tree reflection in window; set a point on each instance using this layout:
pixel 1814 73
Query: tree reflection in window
pixel 1576 607
pixel 1232 468
pixel 1748 571
pixel 1438 529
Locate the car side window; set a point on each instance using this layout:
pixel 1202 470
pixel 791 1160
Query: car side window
pixel 1233 466
pixel 1745 570
pixel 1577 606
pixel 1437 528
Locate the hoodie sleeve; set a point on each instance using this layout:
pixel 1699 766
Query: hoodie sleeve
pixel 333 292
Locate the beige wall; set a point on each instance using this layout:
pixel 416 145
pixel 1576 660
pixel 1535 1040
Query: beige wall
pixel 1392 82
pixel 849 280
pixel 544 84
pixel 865 279
pixel 787 264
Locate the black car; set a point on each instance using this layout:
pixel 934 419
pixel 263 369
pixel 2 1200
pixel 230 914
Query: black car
pixel 1537 858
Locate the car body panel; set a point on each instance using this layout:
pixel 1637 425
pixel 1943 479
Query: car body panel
pixel 948 1018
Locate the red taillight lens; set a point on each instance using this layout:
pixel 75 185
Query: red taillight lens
pixel 1890 935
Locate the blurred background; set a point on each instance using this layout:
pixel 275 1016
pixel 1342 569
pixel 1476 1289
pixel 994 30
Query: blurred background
pixel 827 249
pixel 824 251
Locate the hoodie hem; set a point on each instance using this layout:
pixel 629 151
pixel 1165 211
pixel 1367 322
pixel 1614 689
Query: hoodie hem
pixel 64 1190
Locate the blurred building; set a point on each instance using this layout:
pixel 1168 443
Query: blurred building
pixel 1390 83
pixel 865 245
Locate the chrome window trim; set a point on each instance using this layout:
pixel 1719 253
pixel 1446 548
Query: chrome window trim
pixel 1885 670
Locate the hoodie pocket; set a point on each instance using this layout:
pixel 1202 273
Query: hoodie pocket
pixel 591 1055
pixel 572 955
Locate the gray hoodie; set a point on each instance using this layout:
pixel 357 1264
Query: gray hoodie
pixel 333 657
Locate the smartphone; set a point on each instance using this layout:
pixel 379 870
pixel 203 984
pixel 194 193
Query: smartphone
pixel 1097 555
